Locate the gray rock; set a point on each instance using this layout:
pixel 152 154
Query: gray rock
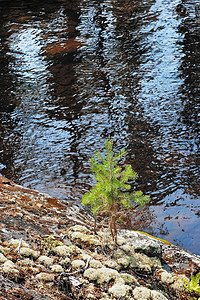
pixel 150 248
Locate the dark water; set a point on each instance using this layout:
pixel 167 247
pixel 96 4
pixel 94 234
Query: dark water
pixel 76 73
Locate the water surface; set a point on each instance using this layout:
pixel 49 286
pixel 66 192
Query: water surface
pixel 75 74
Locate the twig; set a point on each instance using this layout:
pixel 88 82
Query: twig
pixel 87 263
pixel 20 243
pixel 75 272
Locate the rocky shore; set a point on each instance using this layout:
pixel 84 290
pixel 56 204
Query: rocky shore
pixel 48 250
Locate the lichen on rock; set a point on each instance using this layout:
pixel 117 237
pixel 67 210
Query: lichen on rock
pixel 2 258
pixel 47 277
pixel 3 250
pixel 63 251
pixel 57 268
pixel 79 228
pixel 166 277
pixel 102 275
pixel 91 274
pixel 65 261
pixel 95 264
pixel 48 261
pixel 155 295
pixel 112 264
pixel 124 262
pixel 26 262
pixel 179 282
pixel 150 248
pixel 146 260
pixel 128 271
pixel 29 252
pixel 78 263
pixel 106 274
pixel 87 238
pixel 129 279
pixel 141 293
pixel 9 267
pixel 15 243
pixel 119 290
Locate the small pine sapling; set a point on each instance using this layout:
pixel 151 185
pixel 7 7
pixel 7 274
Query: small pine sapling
pixel 193 284
pixel 111 190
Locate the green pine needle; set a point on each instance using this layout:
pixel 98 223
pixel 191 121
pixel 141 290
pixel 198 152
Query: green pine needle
pixel 110 192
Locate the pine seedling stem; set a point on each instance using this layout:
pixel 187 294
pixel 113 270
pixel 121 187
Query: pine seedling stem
pixel 111 191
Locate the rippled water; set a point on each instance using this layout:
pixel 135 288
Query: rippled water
pixel 74 74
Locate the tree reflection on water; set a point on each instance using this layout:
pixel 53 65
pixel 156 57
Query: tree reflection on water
pixel 76 73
